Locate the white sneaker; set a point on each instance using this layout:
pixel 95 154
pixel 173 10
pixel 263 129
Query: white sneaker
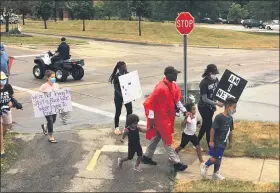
pixel 119 162
pixel 217 176
pixel 138 169
pixel 117 131
pixel 203 170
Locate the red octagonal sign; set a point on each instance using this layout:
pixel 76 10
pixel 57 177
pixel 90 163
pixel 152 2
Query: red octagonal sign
pixel 184 23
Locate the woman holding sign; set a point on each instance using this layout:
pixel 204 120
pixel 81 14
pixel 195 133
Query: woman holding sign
pixel 207 104
pixel 120 69
pixel 49 87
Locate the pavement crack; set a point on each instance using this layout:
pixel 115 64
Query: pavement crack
pixel 261 170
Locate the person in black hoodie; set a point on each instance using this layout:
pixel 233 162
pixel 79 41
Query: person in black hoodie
pixel 120 69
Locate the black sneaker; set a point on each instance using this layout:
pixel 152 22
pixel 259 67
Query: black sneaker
pixel 149 161
pixel 180 167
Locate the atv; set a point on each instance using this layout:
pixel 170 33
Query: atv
pixel 62 68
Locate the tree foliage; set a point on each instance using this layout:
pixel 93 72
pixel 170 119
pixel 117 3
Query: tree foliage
pixel 44 10
pixel 264 10
pixel 236 12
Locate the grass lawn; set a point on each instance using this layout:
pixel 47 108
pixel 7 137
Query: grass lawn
pixel 11 148
pixel 250 138
pixel 155 32
pixel 225 186
pixel 36 40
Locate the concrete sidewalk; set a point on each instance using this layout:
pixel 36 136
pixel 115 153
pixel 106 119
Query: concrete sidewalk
pixel 246 169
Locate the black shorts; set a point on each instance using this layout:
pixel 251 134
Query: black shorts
pixel 132 149
pixel 186 138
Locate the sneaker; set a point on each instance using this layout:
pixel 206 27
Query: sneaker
pixel 217 176
pixel 3 155
pixel 117 131
pixel 119 162
pixel 180 167
pixel 149 161
pixel 138 169
pixel 44 128
pixel 203 170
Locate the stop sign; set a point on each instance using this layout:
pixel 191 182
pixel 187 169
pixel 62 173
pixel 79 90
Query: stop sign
pixel 184 23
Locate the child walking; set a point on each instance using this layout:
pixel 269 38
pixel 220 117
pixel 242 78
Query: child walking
pixel 220 132
pixel 189 124
pixel 134 146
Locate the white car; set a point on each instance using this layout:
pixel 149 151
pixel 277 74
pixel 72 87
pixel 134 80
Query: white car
pixel 272 26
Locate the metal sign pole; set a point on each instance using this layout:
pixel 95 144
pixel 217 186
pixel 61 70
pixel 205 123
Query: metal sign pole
pixel 185 69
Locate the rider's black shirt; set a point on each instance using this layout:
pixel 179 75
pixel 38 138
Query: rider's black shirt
pixel 64 51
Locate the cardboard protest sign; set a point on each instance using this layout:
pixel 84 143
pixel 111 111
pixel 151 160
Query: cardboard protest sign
pixel 51 103
pixel 230 85
pixel 130 87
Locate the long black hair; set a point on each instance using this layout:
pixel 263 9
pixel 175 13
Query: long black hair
pixel 112 77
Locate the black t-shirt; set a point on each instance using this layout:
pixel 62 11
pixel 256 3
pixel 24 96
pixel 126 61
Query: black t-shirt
pixel 222 125
pixel 64 51
pixel 117 85
pixel 5 95
pixel 207 86
pixel 133 137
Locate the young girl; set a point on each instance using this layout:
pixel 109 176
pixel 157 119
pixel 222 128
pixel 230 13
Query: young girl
pixel 120 69
pixel 134 146
pixel 190 124
pixel 49 87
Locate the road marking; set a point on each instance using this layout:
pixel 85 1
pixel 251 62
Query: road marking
pixel 86 108
pixel 26 56
pixel 93 160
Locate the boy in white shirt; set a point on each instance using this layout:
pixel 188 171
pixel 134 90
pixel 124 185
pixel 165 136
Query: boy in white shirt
pixel 189 125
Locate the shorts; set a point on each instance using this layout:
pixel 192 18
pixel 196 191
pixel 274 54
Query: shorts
pixel 187 138
pixel 6 118
pixel 216 152
pixel 132 149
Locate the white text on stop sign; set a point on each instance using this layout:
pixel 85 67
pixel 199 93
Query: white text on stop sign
pixel 184 23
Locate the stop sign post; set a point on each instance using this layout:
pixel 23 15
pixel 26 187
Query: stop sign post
pixel 184 25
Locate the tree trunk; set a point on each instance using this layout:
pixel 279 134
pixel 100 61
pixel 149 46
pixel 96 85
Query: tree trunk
pixel 45 22
pixel 139 24
pixel 84 25
pixel 55 14
pixel 7 23
pixel 23 23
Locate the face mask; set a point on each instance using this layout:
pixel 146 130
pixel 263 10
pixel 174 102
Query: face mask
pixel 213 76
pixel 52 80
pixel 3 82
pixel 230 112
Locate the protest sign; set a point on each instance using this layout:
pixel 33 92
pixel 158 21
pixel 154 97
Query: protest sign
pixel 230 85
pixel 50 103
pixel 130 86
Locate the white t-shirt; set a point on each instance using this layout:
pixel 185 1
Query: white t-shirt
pixel 190 128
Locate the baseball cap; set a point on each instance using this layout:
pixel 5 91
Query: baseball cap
pixel 212 68
pixel 63 39
pixel 3 76
pixel 171 70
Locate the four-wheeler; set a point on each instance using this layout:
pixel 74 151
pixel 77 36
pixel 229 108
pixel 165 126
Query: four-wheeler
pixel 62 68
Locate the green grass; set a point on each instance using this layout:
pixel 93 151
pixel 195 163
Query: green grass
pixel 225 186
pixel 12 149
pixel 155 32
pixel 36 40
pixel 250 138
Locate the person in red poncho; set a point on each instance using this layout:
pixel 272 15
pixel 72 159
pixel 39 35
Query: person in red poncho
pixel 160 110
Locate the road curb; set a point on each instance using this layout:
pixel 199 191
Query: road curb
pixel 146 44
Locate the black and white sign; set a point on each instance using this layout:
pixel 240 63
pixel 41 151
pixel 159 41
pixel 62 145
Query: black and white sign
pixel 230 85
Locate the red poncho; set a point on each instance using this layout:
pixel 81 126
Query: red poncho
pixel 161 101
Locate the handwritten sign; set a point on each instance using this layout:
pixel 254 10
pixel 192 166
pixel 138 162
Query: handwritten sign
pixel 130 87
pixel 230 85
pixel 51 103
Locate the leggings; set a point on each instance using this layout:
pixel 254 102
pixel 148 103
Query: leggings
pixel 51 120
pixel 118 104
pixel 207 115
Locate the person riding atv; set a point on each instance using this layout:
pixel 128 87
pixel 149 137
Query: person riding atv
pixel 63 51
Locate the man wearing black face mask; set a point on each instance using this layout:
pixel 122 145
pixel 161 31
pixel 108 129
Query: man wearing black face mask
pixel 160 112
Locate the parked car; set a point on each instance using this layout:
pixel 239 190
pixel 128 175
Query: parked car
pixel 221 20
pixel 2 20
pixel 206 20
pixel 14 18
pixel 249 23
pixel 272 26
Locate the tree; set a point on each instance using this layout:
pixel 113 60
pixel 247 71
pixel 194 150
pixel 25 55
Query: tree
pixel 264 10
pixel 141 9
pixel 83 10
pixel 236 13
pixel 44 9
pixel 7 8
pixel 24 7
